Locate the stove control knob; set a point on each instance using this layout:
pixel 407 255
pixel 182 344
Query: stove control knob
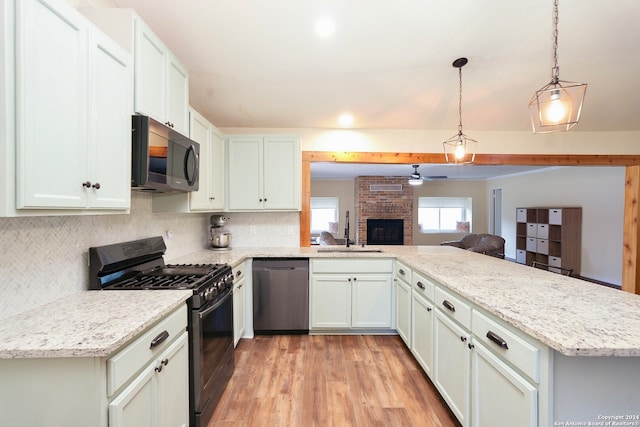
pixel 208 294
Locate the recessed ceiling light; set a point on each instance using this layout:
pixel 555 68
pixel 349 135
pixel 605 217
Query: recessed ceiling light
pixel 345 119
pixel 325 26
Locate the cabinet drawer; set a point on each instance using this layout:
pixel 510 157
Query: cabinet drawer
pixel 555 216
pixel 521 215
pixel 555 261
pixel 543 231
pixel 532 230
pixel 522 354
pixel 127 362
pixel 423 286
pixel 403 272
pixel 542 246
pixel 532 244
pixel 453 306
pixel 352 265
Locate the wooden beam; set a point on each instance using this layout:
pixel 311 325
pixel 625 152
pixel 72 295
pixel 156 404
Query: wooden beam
pixel 631 232
pixel 631 250
pixel 305 213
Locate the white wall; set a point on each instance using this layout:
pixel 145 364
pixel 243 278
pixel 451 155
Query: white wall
pixel 600 193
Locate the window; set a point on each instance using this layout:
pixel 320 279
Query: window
pixel 324 214
pixel 444 214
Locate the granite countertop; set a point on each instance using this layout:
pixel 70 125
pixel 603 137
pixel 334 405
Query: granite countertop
pixel 85 324
pixel 572 316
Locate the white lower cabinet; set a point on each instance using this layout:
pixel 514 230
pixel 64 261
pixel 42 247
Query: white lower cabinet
pixel 239 303
pixel 159 395
pixel 403 311
pixel 351 293
pixel 144 383
pixel 452 365
pixel 422 318
pixel 499 394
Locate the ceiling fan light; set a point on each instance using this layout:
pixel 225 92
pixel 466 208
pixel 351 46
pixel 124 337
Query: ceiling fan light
pixel 415 181
pixel 415 178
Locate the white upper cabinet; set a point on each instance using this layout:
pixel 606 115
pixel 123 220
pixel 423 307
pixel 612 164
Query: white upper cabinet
pixel 72 105
pixel 264 172
pixel 210 196
pixel 161 80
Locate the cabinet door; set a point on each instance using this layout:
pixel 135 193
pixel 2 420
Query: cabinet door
pixel 452 365
pixel 172 404
pixel 150 73
pixel 371 301
pixel 199 131
pixel 282 158
pixel 217 174
pixel 239 295
pixel 178 96
pixel 51 105
pixel 135 405
pixel 422 332
pixel 499 394
pixel 330 301
pixel 245 172
pixel 403 311
pixel 111 78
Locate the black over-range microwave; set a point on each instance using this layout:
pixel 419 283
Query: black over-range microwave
pixel 162 160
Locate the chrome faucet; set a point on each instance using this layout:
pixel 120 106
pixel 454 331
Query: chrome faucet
pixel 346 230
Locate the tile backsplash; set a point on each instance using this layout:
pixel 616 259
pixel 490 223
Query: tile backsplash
pixel 45 258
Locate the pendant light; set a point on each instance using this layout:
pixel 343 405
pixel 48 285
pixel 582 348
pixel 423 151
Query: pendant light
pixel 415 178
pixel 460 148
pixel 556 106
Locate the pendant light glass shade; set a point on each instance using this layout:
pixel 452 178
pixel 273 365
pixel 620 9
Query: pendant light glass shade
pixel 557 106
pixel 460 148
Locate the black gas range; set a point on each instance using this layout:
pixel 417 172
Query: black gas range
pixel 139 265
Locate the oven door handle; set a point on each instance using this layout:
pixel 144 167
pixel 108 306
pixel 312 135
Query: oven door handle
pixel 226 295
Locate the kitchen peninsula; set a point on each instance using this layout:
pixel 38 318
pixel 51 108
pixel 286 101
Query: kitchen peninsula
pixel 573 346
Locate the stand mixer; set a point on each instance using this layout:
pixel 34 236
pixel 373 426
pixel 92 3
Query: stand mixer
pixel 220 239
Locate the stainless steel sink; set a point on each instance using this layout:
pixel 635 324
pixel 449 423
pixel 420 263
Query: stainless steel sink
pixel 348 250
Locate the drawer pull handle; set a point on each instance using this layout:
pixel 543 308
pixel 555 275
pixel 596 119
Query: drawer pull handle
pixel 159 339
pixel 238 274
pixel 448 305
pixel 428 309
pixel 401 271
pixel 421 285
pixel 497 339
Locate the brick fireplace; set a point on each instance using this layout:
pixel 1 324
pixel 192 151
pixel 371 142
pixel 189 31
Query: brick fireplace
pixel 378 197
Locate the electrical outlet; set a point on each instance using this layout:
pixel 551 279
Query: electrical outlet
pixel 169 234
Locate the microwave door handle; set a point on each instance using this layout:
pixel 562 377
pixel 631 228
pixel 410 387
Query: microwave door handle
pixel 192 179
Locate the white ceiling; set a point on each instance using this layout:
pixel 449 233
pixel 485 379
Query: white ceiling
pixel 257 63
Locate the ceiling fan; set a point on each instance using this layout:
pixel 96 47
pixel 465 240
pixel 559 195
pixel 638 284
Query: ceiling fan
pixel 416 179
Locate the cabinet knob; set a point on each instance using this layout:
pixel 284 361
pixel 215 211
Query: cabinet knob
pixel 429 309
pixel 96 186
pixel 86 184
pixel 463 338
pixel 471 346
pixel 260 200
pixel 421 285
pixel 265 199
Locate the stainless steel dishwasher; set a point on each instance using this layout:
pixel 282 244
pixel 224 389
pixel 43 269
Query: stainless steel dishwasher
pixel 280 295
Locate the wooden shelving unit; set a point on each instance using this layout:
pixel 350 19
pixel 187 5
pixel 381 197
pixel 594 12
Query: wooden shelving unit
pixel 549 236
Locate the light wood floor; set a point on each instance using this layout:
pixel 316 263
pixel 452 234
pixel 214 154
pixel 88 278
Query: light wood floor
pixel 302 380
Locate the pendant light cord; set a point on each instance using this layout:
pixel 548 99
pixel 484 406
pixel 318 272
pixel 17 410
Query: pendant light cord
pixel 460 101
pixel 555 71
